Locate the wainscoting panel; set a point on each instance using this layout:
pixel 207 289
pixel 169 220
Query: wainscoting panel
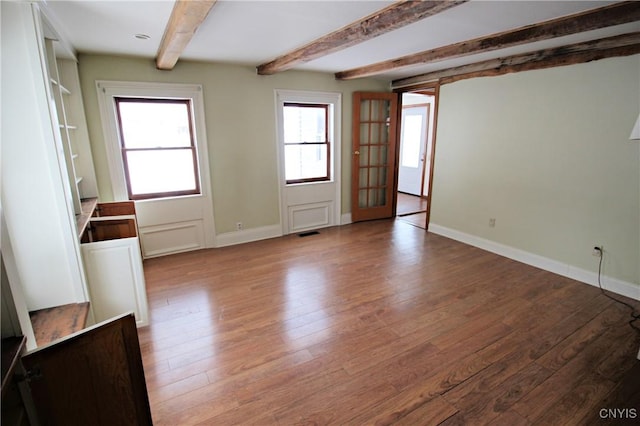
pixel 304 217
pixel 171 238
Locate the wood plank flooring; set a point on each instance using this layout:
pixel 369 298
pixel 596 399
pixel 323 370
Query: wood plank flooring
pixel 416 219
pixel 409 204
pixel 379 323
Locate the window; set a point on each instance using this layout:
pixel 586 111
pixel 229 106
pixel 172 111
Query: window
pixel 306 142
pixel 158 147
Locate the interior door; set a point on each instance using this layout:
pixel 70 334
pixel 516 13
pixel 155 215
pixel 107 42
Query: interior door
pixel 413 144
pixel 93 377
pixel 373 153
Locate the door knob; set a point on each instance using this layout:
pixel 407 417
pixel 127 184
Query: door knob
pixel 356 153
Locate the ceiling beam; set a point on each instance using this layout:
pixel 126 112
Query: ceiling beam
pixel 186 17
pixel 615 14
pixel 621 45
pixel 395 16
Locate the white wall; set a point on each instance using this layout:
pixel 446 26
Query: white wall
pixel 547 154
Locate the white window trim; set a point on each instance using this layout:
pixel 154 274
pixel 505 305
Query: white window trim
pixel 108 90
pixel 334 100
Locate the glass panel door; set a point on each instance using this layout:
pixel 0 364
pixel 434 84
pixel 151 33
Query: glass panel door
pixel 374 149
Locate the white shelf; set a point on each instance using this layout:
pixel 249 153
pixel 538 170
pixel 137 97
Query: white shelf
pixel 80 156
pixel 65 85
pixel 63 89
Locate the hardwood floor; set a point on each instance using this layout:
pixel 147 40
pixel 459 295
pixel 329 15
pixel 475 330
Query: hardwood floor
pixel 416 219
pixel 379 323
pixel 409 204
pixel 412 209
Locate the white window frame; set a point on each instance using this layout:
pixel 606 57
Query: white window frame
pixel 108 90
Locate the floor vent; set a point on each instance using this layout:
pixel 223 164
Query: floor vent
pixel 306 234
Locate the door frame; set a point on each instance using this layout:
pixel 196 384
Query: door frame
pixel 432 89
pixel 423 143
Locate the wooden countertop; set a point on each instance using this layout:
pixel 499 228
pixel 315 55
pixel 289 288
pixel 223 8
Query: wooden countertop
pixel 82 219
pixel 53 323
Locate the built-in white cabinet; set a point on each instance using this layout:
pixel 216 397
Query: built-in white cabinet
pixel 39 235
pixel 47 173
pixel 113 263
pixel 110 249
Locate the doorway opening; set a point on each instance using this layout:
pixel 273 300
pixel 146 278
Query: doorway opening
pixel 416 136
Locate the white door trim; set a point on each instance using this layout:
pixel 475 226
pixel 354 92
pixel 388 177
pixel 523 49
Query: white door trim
pixel 333 200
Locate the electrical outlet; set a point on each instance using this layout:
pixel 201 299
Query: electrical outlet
pixel 597 251
pixel 238 226
pixel 492 222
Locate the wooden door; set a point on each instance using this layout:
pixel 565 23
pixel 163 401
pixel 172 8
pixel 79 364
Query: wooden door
pixel 93 377
pixel 374 153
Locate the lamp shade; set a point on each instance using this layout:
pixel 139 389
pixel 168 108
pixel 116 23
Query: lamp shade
pixel 635 133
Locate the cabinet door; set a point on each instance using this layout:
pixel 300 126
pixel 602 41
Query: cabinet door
pixel 115 278
pixel 93 377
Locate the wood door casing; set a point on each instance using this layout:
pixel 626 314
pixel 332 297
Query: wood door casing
pixel 432 89
pixel 375 117
pixel 411 176
pixel 429 89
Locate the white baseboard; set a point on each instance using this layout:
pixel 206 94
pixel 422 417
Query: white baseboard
pixel 614 285
pixel 262 233
pixel 248 235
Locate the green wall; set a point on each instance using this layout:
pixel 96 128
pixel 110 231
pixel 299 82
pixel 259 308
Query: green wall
pixel 547 154
pixel 544 152
pixel 241 135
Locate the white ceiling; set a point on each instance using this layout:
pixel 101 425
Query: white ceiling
pixel 255 32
